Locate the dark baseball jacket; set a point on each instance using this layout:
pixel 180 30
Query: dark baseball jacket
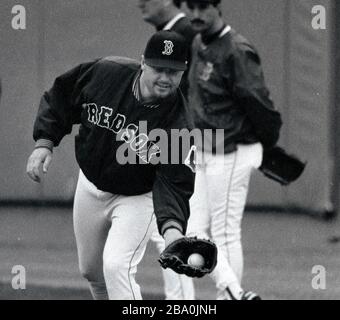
pixel 184 28
pixel 227 91
pixel 100 97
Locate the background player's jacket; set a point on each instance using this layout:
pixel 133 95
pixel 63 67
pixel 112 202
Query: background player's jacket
pixel 99 96
pixel 227 91
pixel 181 26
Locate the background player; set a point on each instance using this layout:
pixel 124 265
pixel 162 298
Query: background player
pixel 115 205
pixel 167 15
pixel 227 91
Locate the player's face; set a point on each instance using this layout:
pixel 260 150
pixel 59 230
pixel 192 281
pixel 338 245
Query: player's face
pixel 151 9
pixel 203 16
pixel 158 83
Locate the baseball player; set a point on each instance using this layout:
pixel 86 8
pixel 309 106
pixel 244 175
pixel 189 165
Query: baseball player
pixel 227 91
pixel 116 205
pixel 167 15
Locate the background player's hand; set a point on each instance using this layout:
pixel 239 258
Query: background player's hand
pixel 171 235
pixel 40 156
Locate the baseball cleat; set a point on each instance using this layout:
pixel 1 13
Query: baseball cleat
pixel 244 295
pixel 249 295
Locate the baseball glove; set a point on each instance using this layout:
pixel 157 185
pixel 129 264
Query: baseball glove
pixel 175 256
pixel 280 166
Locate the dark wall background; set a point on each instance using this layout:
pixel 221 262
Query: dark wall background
pixel 298 63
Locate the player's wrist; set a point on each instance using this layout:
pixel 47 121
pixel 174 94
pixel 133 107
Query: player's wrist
pixel 171 225
pixel 171 235
pixel 172 231
pixel 44 143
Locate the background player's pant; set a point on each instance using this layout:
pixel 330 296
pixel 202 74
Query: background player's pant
pixel 217 207
pixel 176 286
pixel 111 235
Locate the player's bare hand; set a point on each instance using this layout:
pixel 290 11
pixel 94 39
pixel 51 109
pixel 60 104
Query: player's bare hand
pixel 171 235
pixel 40 156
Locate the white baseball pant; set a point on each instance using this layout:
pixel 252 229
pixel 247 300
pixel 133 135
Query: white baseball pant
pixel 111 233
pixel 217 207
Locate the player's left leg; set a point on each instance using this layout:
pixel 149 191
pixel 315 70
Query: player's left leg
pixel 176 286
pixel 132 223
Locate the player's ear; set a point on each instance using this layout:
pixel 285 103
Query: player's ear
pixel 142 63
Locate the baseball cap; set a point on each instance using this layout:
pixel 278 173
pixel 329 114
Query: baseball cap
pixel 167 49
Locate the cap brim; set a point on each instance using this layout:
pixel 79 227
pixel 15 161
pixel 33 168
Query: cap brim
pixel 169 64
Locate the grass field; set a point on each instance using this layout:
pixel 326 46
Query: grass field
pixel 280 251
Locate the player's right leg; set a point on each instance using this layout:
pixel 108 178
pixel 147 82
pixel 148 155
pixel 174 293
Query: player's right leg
pixel 91 228
pixel 199 224
pixel 201 219
pixel 228 179
pixel 205 199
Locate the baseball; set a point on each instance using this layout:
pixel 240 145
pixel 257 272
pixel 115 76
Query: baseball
pixel 196 260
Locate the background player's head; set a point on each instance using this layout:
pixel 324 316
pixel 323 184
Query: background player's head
pixel 205 15
pixel 163 64
pixel 159 12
